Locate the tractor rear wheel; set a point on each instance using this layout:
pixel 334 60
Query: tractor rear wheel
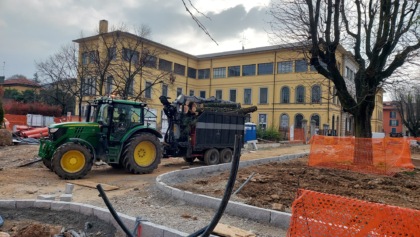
pixel 142 154
pixel 226 155
pixel 72 161
pixel 211 157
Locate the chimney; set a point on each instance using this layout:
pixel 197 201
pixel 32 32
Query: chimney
pixel 103 26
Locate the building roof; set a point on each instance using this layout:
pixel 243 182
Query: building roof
pixel 20 82
pixel 198 57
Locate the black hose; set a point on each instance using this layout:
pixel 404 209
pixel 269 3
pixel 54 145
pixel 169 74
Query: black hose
pixel 206 231
pixel 112 210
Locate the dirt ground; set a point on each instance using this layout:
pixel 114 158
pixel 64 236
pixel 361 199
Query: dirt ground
pixel 272 186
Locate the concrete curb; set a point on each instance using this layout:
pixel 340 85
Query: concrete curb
pixel 149 229
pixel 261 215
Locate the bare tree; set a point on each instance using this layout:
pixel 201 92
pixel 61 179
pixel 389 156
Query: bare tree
pixel 122 63
pixel 383 35
pixel 61 71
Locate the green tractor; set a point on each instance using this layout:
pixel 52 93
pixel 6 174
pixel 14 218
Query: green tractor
pixel 114 132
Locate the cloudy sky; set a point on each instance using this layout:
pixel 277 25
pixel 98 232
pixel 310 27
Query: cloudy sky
pixel 32 30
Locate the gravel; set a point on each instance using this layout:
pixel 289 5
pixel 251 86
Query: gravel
pixel 157 207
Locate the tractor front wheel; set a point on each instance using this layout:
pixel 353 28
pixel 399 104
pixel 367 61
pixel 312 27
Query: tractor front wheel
pixel 142 154
pixel 72 161
pixel 47 163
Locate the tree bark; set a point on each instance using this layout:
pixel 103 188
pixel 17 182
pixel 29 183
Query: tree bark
pixel 363 150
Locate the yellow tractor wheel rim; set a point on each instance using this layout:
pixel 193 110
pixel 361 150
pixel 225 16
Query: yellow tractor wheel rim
pixel 145 153
pixel 73 161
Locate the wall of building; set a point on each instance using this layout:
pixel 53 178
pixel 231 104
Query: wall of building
pixel 270 111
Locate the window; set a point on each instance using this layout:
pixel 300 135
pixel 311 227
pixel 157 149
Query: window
pixel 151 61
pixel 248 70
pixel 393 114
pixel 232 95
pixel 165 65
pixel 131 87
pixel 350 73
pixel 284 121
pixel 247 96
pixel 191 92
pixel 324 65
pixel 192 72
pixel 108 86
pixel 285 67
pixel 203 94
pixel 263 95
pixel 316 94
pixel 85 58
pixel 262 121
pixel 178 91
pixel 130 55
pixel 204 73
pixel 89 86
pixel 393 130
pixel 300 94
pixel 301 66
pixel 234 71
pixel 179 69
pixel 112 53
pixel 148 90
pixel 93 56
pixel 315 118
pixel 219 72
pixel 285 95
pixel 393 122
pixel 164 90
pixel 265 68
pixel 298 121
pixel 219 94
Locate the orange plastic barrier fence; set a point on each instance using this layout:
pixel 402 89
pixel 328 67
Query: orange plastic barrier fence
pixel 318 214
pixel 366 155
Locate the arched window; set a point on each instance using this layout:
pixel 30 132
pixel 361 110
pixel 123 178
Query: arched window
pixel 315 118
pixel 285 95
pixel 284 121
pixel 298 121
pixel 300 94
pixel 316 94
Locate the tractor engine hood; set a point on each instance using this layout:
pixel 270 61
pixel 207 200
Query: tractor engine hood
pixel 72 129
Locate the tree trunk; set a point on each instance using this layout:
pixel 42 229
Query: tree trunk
pixel 363 150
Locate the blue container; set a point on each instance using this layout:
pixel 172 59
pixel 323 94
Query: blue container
pixel 250 132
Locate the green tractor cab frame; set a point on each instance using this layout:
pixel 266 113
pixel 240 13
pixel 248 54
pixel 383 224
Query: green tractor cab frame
pixel 114 132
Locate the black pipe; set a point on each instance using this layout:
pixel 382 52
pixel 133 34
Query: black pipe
pixel 206 231
pixel 113 212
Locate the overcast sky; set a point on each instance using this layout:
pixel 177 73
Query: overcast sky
pixel 32 30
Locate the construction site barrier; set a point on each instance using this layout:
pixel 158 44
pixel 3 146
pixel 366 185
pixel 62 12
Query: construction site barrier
pixel 385 156
pixel 318 214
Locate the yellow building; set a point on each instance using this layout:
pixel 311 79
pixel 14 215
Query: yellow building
pixel 277 79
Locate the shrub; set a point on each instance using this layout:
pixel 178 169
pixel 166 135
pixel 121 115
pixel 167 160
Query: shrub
pixel 1 114
pixel 270 134
pixel 19 108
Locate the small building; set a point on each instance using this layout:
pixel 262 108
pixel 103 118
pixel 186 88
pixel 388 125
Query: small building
pixel 392 122
pixel 20 84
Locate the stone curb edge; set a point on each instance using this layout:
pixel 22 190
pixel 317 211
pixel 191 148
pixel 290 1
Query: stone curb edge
pixel 261 215
pixel 148 229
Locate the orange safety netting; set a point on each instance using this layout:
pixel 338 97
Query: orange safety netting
pixel 373 155
pixel 319 214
